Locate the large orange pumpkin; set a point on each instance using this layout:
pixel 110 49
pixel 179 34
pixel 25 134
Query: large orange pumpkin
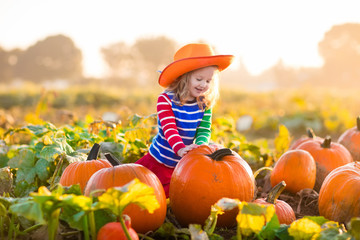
pixel 328 156
pixel 351 140
pixel 80 172
pixel 284 211
pixel 297 168
pixel 142 221
pixel 309 137
pixel 205 175
pixel 339 197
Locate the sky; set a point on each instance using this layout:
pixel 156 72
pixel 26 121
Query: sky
pixel 258 32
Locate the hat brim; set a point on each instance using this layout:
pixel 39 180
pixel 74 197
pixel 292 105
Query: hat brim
pixel 182 66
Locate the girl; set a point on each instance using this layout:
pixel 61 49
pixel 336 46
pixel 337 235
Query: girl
pixel 184 108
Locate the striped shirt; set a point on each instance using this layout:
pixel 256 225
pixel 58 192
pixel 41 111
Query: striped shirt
pixel 178 127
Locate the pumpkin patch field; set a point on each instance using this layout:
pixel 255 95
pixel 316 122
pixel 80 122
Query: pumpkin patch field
pixel 280 165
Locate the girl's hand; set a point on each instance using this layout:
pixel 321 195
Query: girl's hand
pixel 183 151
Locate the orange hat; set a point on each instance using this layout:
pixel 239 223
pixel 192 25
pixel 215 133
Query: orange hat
pixel 191 57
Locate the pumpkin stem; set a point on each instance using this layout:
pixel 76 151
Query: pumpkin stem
pixel 358 123
pixel 113 160
pixel 219 154
pixel 262 169
pixel 310 133
pixel 275 192
pixel 94 152
pixel 327 142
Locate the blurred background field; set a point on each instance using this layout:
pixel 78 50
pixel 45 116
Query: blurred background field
pixel 47 81
pixel 253 114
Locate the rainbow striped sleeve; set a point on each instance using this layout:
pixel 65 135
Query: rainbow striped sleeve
pixel 168 124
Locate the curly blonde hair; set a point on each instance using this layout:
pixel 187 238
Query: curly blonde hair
pixel 180 87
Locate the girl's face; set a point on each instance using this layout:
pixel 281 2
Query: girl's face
pixel 200 81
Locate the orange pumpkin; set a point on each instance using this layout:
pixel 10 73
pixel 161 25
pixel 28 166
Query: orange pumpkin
pixel 205 175
pixel 284 211
pixel 328 156
pixel 297 168
pixel 142 221
pixel 114 231
pixel 309 137
pixel 351 140
pixel 339 197
pixel 80 172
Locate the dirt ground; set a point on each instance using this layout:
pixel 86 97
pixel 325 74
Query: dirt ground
pixel 304 203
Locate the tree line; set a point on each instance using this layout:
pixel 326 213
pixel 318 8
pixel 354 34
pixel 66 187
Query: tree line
pixel 57 57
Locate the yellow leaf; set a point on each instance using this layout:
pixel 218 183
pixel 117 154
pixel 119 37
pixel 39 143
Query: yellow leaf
pixel 89 119
pixel 43 191
pixel 47 140
pixel 252 217
pixel 32 118
pixel 282 141
pixel 137 133
pixel 116 199
pixel 81 201
pixel 304 229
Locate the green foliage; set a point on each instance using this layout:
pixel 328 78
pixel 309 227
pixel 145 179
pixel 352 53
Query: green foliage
pixel 36 154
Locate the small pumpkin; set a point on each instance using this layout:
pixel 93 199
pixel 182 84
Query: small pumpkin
pixel 339 197
pixel 351 140
pixel 284 211
pixel 328 156
pixel 309 137
pixel 114 231
pixel 80 172
pixel 205 175
pixel 119 175
pixel 297 168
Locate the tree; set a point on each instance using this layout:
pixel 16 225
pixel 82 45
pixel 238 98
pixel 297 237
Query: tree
pixel 8 61
pixel 120 59
pixel 139 63
pixel 52 58
pixel 5 67
pixel 340 50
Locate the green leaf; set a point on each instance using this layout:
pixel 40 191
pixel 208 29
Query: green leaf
pixel 282 233
pixel 355 227
pixel 269 231
pixel 51 152
pixel 166 230
pixel 25 162
pixel 76 157
pixel 30 210
pixel 64 146
pixel 73 189
pixel 3 211
pixel 114 148
pixel 22 189
pixel 135 119
pixel 25 157
pixel 41 169
pixel 3 160
pixel 329 234
pixel 116 199
pixel 103 216
pixel 37 130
